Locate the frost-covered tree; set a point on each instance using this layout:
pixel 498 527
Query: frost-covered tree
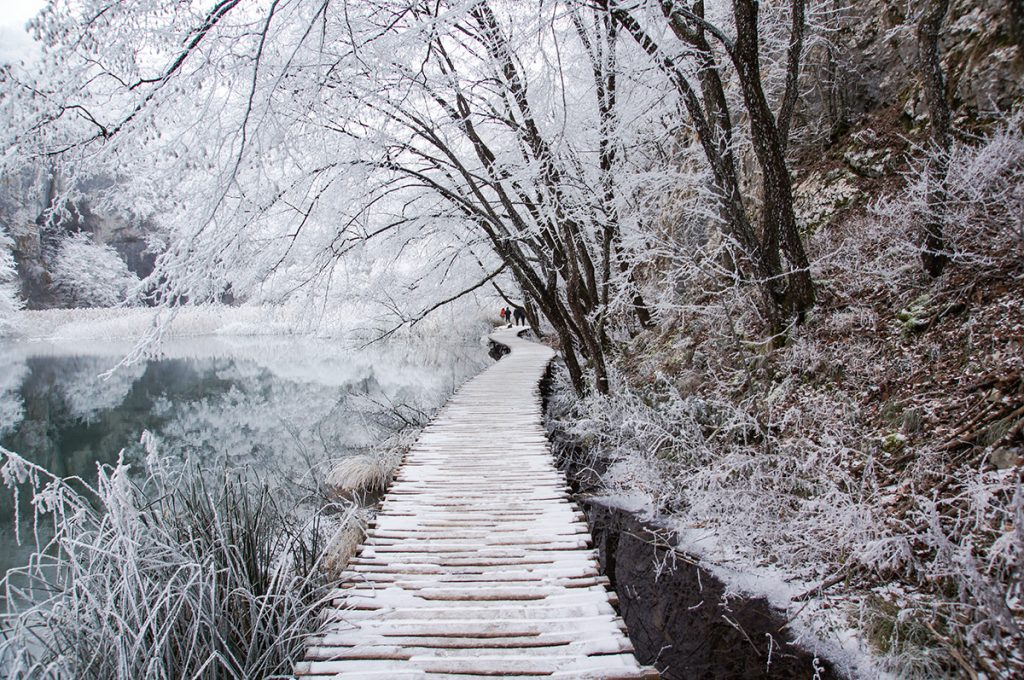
pixel 10 300
pixel 929 26
pixel 719 60
pixel 315 136
pixel 441 147
pixel 92 274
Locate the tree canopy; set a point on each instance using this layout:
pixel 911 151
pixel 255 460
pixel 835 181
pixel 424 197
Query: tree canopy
pixel 417 151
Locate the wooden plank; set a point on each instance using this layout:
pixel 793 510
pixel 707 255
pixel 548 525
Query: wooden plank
pixel 536 641
pixel 422 581
pixel 503 614
pixel 483 665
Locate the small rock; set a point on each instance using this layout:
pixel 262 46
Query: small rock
pixel 1005 458
pixel 699 360
pixel 917 315
pixel 868 163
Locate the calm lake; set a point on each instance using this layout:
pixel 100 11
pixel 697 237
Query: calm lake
pixel 282 408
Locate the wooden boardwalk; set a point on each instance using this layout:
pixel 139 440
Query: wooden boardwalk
pixel 478 564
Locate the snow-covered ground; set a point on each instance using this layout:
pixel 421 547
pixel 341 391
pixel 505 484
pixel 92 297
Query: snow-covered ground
pixel 354 326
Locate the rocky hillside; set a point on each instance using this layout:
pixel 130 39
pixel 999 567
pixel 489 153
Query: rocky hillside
pixel 865 117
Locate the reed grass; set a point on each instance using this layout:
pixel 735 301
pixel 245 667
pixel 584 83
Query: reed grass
pixel 168 578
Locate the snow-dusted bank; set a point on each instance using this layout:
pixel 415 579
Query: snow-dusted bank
pixel 350 322
pixel 477 563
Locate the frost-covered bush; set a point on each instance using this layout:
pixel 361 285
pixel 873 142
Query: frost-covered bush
pixel 178 578
pixel 982 214
pixel 92 274
pixel 791 478
pixel 10 300
pixel 704 462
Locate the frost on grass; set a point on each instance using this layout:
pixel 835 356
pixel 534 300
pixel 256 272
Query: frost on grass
pixel 172 571
pixel 369 473
pixel 169 578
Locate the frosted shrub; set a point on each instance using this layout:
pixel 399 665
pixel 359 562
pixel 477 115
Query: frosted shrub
pixel 976 543
pixel 983 213
pixel 779 486
pixel 10 301
pixel 856 319
pixel 176 579
pixel 704 462
pixel 93 275
pixel 786 476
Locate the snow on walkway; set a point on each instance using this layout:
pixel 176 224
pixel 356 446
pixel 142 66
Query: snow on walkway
pixel 478 563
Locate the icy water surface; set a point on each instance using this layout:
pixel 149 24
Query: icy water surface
pixel 283 408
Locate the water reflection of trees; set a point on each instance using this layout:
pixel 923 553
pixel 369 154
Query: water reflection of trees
pixel 12 374
pixel 283 412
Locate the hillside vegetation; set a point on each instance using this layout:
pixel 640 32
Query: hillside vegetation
pixel 875 456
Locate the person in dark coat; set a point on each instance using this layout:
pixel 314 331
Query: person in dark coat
pixel 520 315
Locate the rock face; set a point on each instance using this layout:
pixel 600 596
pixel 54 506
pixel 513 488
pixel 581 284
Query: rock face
pixel 983 63
pixel 870 64
pixel 865 107
pixel 23 200
pixel 124 235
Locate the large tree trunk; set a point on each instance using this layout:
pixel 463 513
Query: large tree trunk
pixel 933 247
pixel 574 309
pixel 710 116
pixel 794 293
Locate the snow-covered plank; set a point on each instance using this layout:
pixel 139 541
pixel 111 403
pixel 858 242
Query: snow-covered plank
pixel 484 665
pixel 501 614
pixel 480 623
pixel 478 563
pixel 509 573
pixel 469 641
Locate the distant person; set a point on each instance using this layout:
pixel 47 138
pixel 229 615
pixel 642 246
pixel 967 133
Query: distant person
pixel 520 315
pixel 502 314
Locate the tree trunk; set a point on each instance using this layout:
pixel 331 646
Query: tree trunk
pixel 933 248
pixel 795 292
pixel 783 293
pixel 603 65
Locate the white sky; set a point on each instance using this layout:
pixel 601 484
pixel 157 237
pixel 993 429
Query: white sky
pixel 15 43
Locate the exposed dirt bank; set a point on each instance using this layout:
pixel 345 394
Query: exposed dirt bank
pixel 678 616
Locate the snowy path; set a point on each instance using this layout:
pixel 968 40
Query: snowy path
pixel 478 563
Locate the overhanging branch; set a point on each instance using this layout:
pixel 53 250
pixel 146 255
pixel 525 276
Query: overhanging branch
pixel 426 312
